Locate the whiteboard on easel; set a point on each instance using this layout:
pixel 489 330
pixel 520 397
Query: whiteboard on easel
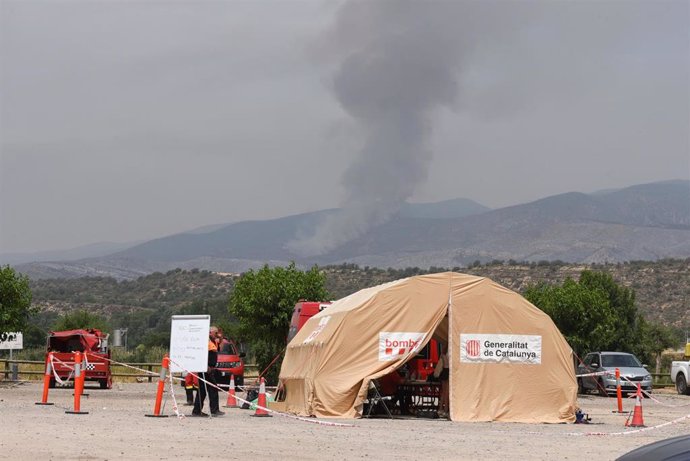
pixel 189 342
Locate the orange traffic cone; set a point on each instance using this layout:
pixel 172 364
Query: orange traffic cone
pixel 261 403
pixel 232 401
pixel 165 364
pixel 46 380
pixel 637 420
pixel 619 393
pixel 78 386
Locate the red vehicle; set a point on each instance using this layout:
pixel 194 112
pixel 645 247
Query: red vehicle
pixel 92 343
pixel 229 363
pixel 421 366
pixel 304 310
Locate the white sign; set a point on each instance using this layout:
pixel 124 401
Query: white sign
pixel 189 342
pixel 11 340
pixel 483 348
pixel 398 344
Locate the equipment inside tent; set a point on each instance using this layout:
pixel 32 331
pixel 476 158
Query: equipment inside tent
pixel 508 361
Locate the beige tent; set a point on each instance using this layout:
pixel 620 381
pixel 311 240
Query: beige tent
pixel 508 361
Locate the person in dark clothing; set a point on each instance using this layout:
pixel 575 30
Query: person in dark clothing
pixel 210 376
pixel 444 376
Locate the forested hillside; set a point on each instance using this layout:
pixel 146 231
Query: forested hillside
pixel 174 288
pixel 662 287
pixel 145 305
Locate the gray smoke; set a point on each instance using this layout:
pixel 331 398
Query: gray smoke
pixel 399 62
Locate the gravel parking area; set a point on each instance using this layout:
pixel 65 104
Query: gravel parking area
pixel 116 428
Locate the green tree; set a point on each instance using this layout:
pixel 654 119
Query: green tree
pixel 15 300
pixel 263 302
pixel 654 338
pixel 622 301
pixel 595 313
pixel 583 315
pixel 80 319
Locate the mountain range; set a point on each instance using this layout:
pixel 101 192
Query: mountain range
pixel 642 222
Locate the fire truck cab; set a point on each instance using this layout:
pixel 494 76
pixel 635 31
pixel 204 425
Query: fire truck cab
pixel 92 343
pixel 304 310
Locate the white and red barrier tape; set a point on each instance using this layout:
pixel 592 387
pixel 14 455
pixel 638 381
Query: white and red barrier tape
pixel 620 433
pixel 598 373
pixel 55 375
pixel 66 364
pixel 634 431
pixel 646 393
pixel 286 415
pixel 152 373
pixel 652 398
pixel 278 413
pixel 174 400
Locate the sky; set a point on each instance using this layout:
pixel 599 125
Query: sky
pixel 124 121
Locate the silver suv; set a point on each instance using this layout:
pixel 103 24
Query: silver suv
pixel 632 372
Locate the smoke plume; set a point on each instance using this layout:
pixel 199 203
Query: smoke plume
pixel 398 63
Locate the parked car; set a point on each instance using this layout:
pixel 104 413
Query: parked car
pixel 632 373
pixel 229 363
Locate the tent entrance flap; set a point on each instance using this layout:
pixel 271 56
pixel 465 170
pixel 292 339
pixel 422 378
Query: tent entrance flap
pixel 441 331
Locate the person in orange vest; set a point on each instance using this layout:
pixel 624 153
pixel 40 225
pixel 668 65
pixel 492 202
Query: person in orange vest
pixel 191 384
pixel 209 388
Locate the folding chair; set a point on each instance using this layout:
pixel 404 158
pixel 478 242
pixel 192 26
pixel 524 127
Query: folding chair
pixel 375 398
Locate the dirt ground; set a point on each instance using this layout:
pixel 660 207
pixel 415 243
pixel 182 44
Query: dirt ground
pixel 116 428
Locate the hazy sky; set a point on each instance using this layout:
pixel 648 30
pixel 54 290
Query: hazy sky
pixel 131 120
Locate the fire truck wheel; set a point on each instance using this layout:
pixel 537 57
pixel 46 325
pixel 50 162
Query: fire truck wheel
pixel 105 383
pixel 51 383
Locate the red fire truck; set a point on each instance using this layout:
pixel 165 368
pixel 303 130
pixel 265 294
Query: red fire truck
pixel 304 310
pixel 92 343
